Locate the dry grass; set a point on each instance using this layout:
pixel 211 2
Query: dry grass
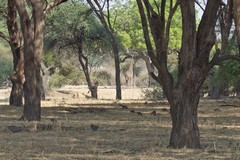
pixel 120 134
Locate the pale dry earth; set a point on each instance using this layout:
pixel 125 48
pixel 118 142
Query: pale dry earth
pixel 75 127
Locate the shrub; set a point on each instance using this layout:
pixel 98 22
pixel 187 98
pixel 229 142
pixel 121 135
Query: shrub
pixel 154 93
pixel 103 77
pixel 5 70
pixel 57 80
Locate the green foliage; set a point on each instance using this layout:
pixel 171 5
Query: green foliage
pixel 127 25
pixel 57 80
pixel 6 65
pixel 67 74
pixel 5 70
pixel 155 93
pixel 103 77
pixel 230 73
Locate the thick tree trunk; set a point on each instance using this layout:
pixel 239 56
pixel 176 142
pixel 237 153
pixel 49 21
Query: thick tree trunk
pixel 183 106
pixel 17 78
pixel 32 29
pixel 32 85
pixel 185 131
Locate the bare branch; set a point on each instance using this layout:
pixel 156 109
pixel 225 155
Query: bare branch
pixel 3 14
pixel 169 21
pixel 5 37
pixel 53 4
pixel 146 32
pixel 229 57
pixel 199 5
pixel 219 57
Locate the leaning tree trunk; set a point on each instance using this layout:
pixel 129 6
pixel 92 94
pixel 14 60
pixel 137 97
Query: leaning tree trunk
pixel 81 59
pixel 98 10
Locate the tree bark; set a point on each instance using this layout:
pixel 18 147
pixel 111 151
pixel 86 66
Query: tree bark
pixel 185 131
pixel 236 12
pixel 193 65
pixel 17 79
pixel 84 63
pixel 15 41
pixel 183 108
pixel 32 30
pixel 110 32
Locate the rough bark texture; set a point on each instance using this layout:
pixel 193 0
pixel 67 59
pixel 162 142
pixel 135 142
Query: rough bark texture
pixel 83 60
pixel 193 65
pixel 236 9
pixel 15 41
pixel 107 25
pixel 225 20
pixel 32 31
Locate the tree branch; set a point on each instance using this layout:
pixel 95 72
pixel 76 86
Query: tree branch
pixel 229 57
pixel 199 5
pixel 4 14
pixel 5 37
pixel 219 57
pixel 205 35
pixel 146 32
pixel 169 21
pixel 52 5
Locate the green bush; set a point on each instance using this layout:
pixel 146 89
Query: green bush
pixel 6 70
pixel 102 77
pixel 155 93
pixel 66 75
pixel 57 80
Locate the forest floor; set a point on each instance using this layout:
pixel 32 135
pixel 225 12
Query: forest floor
pixel 74 127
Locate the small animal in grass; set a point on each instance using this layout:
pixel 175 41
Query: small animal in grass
pixel 53 120
pixel 123 106
pixel 132 111
pixel 154 113
pixel 217 110
pixel 165 110
pixel 94 127
pixel 139 113
pixel 72 110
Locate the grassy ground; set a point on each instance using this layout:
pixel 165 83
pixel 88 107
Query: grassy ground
pixel 74 127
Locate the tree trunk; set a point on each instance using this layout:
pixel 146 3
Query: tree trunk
pixel 107 25
pixel 84 63
pixel 185 131
pixel 32 88
pixel 33 79
pixel 32 30
pixel 236 9
pixel 193 62
pixel 183 107
pixel 17 78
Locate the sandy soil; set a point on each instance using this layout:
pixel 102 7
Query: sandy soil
pixel 74 127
